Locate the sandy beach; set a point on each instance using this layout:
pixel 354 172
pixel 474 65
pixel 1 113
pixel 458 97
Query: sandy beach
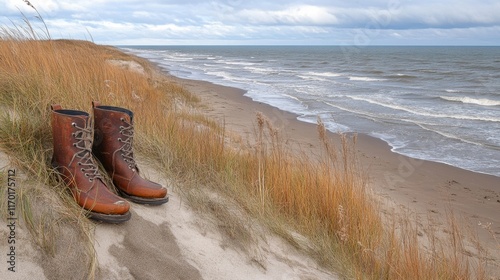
pixel 430 189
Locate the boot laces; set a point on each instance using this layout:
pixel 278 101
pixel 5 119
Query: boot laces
pixel 84 156
pixel 127 151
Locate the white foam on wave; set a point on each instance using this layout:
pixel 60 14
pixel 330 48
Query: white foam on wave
pixel 424 113
pixel 228 77
pixel 323 74
pixel 260 70
pixel 448 134
pixel 241 63
pixel 469 100
pixel 177 59
pixel 330 123
pixel 292 97
pixel 283 101
pixel 390 139
pixel 365 79
pixel 318 76
pixel 365 114
pixel 312 78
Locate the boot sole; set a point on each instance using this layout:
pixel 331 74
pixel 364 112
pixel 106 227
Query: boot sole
pixel 142 200
pixel 108 218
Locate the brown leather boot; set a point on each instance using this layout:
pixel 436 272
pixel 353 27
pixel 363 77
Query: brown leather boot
pixel 113 141
pixel 72 158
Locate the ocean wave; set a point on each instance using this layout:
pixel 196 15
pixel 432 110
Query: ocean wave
pixel 312 78
pixel 365 114
pixel 365 79
pixel 261 70
pixel 449 135
pixel 402 76
pixel 242 63
pixel 291 97
pixel 423 113
pixel 229 77
pixel 323 74
pixel 330 123
pixel 469 100
pixel 177 59
pixel 318 76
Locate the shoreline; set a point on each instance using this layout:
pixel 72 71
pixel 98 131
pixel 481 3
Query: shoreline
pixel 428 188
pixel 363 134
pixel 439 119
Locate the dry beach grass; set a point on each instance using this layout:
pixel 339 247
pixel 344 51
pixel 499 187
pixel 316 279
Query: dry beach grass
pixel 324 200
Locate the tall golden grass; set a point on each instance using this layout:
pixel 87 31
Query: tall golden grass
pixel 324 199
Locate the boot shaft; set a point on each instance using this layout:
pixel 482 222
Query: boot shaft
pixel 109 123
pixel 113 137
pixel 66 124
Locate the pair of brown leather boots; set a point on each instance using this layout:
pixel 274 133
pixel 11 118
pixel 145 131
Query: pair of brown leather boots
pixel 110 139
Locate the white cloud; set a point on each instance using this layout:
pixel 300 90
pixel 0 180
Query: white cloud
pixel 327 21
pixel 49 6
pixel 295 15
pixel 446 15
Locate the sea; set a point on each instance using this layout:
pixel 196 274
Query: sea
pixel 434 103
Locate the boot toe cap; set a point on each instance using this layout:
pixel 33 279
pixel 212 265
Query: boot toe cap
pixel 140 187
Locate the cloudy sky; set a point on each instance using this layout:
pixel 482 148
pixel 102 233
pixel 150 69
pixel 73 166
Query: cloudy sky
pixel 331 22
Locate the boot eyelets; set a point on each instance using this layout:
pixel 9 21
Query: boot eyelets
pixel 81 169
pixel 73 124
pixel 119 139
pixel 122 119
pixel 91 179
